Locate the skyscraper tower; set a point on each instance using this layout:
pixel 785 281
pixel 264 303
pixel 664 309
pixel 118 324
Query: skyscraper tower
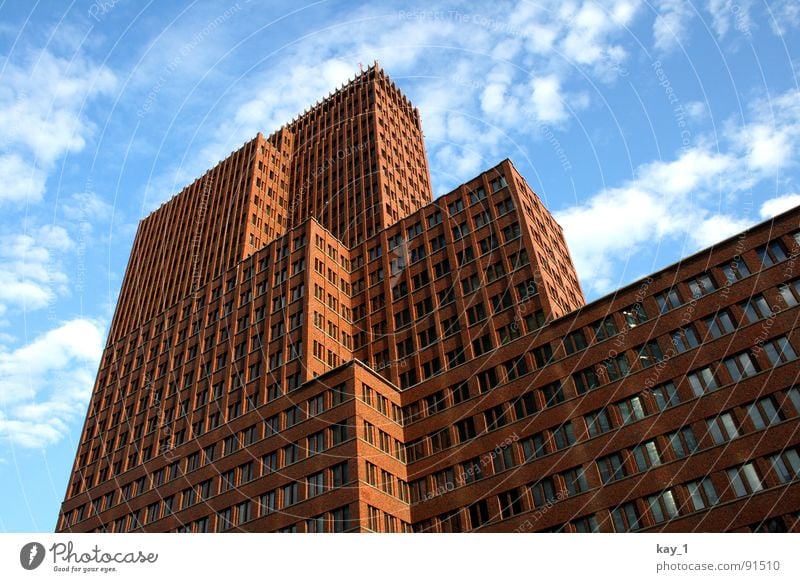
pixel 306 341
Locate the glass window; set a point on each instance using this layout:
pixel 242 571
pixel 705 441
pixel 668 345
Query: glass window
pixel 720 324
pixel 702 381
pixel 598 422
pixel 744 480
pixel 722 428
pixel 779 351
pixel 668 300
pixel 663 506
pixel 701 285
pixel 702 493
pixel 786 465
pixel 666 396
pixel 764 413
pixel 740 366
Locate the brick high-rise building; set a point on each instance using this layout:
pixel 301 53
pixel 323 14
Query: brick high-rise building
pixel 306 341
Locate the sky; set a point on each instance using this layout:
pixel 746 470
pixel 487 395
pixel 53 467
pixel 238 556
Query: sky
pixel 650 129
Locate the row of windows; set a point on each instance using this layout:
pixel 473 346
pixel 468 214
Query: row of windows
pixel 648 511
pixel 295 414
pixel 610 467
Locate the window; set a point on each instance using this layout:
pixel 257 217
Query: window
pixel 764 413
pixel 611 468
pixel 434 219
pixel 650 354
pixel 268 502
pixel 682 442
pixel 289 496
pixel 488 244
pixel 525 405
pixel 526 289
pixel 477 195
pixel 786 465
pixel 499 182
pixel 482 345
pixel 702 493
pixel 315 484
pixel 744 480
pixel 244 512
pixel 630 410
pixel 646 455
pixel 740 366
pixel 756 308
pixel 735 270
pixel 505 206
pixel 574 342
pixel 634 315
pixel 414 230
pixel 598 422
pixel 533 447
pixel 476 313
pixel 515 368
pixel 668 300
pixel 615 367
pixel 604 329
pixel 496 417
pixel 684 339
pixel 575 480
pixel 478 513
pixel 225 519
pixel 779 351
pixel 543 492
pixel 702 381
pixel 585 380
pixel 502 301
pixel 662 507
pixel 481 219
pixel 701 285
pixel 553 394
pixel 472 470
pixel 465 429
pixel 511 232
pixel 510 503
pixel 720 324
pixel 626 517
pixel 542 355
pixel 269 463
pixel 772 253
pixel 455 207
pixel 665 396
pixel 563 436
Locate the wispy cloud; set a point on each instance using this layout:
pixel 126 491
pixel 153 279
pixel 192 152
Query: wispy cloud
pixel 42 116
pixel 45 384
pixel 680 199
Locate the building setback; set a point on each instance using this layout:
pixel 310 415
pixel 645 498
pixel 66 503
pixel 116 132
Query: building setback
pixel 306 341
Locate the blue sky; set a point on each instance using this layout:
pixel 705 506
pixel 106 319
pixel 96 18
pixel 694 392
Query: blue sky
pixel 651 130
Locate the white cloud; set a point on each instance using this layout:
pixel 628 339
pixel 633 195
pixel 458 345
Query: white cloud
pixel 775 206
pixel 42 117
pixel 769 140
pixel 680 200
pixel 664 201
pixel 19 180
pixel 31 276
pixel 670 27
pixel 783 16
pixel 46 384
pixel 715 228
pixel 548 105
